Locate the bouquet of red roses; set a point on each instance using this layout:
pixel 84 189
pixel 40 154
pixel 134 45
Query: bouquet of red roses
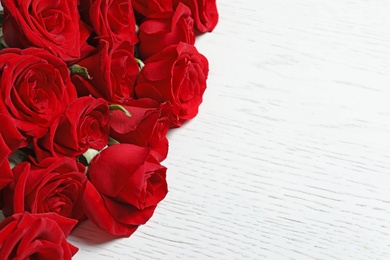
pixel 88 91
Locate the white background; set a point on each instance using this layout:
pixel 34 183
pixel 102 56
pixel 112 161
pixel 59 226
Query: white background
pixel 289 157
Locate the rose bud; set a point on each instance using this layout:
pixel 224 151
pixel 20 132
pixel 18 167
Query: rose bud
pixel 125 185
pixel 159 30
pixel 36 236
pixel 204 12
pixel 112 71
pixel 144 8
pixel 177 75
pixel 84 125
pixel 147 126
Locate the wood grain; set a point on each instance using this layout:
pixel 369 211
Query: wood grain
pixel 289 157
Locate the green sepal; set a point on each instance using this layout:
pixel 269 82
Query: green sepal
pixel 87 157
pixel 79 70
pixel 114 107
pixel 140 63
pixel 112 141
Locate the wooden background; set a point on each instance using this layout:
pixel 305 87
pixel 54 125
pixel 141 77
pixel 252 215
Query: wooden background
pixel 289 157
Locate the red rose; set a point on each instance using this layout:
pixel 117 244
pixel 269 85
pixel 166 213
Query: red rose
pixel 145 8
pixel 204 12
pixel 52 25
pixel 178 75
pixel 113 73
pixel 113 19
pixel 35 89
pixel 36 236
pixel 84 125
pixel 53 185
pixel 159 30
pixel 126 183
pixel 147 126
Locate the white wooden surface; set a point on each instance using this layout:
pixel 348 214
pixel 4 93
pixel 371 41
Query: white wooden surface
pixel 289 157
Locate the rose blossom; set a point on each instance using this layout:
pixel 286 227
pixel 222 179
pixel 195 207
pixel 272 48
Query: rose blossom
pixel 84 125
pixel 147 126
pixel 113 73
pixel 178 75
pixel 159 30
pixel 36 236
pixel 53 185
pixel 113 19
pixel 51 25
pixel 126 184
pixel 35 89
